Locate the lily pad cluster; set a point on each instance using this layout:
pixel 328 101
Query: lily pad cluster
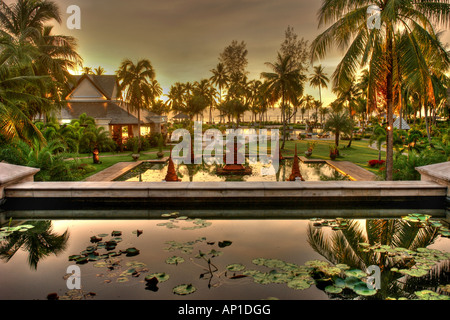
pixel 175 218
pixel 334 224
pixel 281 272
pixel 430 295
pixel 7 231
pixel 335 278
pixel 414 263
pixel 101 249
pixel 425 220
pixel 185 247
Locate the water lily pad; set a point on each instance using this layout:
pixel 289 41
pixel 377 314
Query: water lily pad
pixel 414 272
pixel 82 260
pixel 343 266
pixel 274 263
pixel 161 276
pixel 316 263
pixel 362 290
pixel 351 282
pixel 184 289
pixel 355 273
pixel 333 289
pixel 430 295
pixel 122 279
pixel 224 243
pixel 235 267
pixel 132 252
pixel 300 283
pixel 116 233
pixel 174 260
pixel 259 261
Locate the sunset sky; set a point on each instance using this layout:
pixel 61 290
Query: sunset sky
pixel 183 38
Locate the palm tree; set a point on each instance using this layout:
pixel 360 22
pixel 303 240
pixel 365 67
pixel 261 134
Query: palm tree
pixel 378 136
pixel 285 83
pixel 99 71
pixel 337 123
pixel 15 116
pixel 344 247
pixel 87 70
pixel 39 242
pixel 319 80
pixel 176 101
pixel 220 78
pixel 204 88
pixel 135 84
pixel 380 50
pixel 25 19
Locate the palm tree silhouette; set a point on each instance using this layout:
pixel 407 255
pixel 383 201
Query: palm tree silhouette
pixel 40 242
pixel 343 247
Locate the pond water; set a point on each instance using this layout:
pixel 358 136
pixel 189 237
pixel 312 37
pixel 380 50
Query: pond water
pixel 202 173
pixel 180 257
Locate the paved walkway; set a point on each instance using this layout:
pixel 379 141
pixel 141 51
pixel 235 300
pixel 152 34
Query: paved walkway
pixel 353 171
pixel 118 169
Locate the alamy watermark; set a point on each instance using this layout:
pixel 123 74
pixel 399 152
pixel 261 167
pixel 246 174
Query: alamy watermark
pixel 216 142
pixel 74 20
pixel 74 280
pixel 374 21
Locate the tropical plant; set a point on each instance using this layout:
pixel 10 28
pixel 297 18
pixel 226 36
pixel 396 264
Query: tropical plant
pixel 379 137
pixel 338 123
pixel 136 86
pixel 285 83
pixel 319 80
pixel 39 241
pixel 376 242
pixel 395 53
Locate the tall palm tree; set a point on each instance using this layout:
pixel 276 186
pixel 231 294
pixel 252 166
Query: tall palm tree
pixel 24 20
pixel 319 80
pixel 285 83
pixel 135 84
pixel 175 97
pixel 379 49
pixel 39 242
pixel 220 78
pixel 204 88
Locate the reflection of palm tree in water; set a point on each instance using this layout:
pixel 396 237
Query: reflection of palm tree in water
pixel 39 242
pixel 343 247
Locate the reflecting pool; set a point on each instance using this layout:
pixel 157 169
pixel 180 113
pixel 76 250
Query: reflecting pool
pixel 181 257
pixel 149 172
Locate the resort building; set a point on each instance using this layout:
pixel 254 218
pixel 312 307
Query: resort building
pixel 97 97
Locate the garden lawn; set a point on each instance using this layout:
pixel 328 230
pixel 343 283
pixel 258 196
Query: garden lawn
pixel 359 153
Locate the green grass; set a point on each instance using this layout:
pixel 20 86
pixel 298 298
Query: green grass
pixel 359 153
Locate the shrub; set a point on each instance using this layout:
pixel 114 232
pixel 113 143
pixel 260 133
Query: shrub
pixel 376 163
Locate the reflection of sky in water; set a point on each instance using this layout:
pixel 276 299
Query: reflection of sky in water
pixel 204 173
pixel 279 239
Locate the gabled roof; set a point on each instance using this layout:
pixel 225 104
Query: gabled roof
pixel 104 83
pixel 405 125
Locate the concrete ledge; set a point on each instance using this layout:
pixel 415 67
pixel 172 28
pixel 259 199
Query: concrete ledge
pixel 12 174
pixel 438 173
pixel 312 194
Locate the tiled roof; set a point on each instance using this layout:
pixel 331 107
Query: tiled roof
pixel 100 111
